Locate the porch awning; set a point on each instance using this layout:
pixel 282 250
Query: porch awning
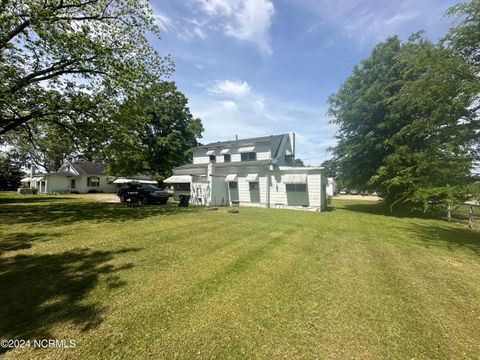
pixel 246 149
pixel 294 178
pixel 178 179
pixel 210 152
pixel 224 151
pixel 252 178
pixel 38 178
pixel 231 178
pixel 27 179
pixel 126 181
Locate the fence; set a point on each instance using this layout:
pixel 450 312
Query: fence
pixel 467 213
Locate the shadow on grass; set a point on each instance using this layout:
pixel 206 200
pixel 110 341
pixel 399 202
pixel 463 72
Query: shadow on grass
pixel 21 240
pixel 18 199
pixel 40 291
pixel 379 208
pixel 66 212
pixel 449 237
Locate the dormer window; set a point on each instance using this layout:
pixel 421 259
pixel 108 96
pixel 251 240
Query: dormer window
pixel 213 159
pixel 249 156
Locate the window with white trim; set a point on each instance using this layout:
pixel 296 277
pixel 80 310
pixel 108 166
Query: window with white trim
pixel 93 181
pixel 296 187
pixel 249 156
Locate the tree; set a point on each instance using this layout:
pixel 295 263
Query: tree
pixel 298 163
pixel 331 168
pixel 63 61
pixel 41 145
pixel 464 39
pixel 10 173
pixel 406 125
pixel 161 136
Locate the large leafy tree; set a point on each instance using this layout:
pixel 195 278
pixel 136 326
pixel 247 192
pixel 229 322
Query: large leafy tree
pixel 406 125
pixel 63 61
pixel 10 172
pixel 161 134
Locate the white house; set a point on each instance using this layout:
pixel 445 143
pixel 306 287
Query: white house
pixel 331 186
pixel 253 172
pixel 78 177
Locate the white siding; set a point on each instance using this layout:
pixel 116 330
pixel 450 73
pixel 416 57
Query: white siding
pixel 57 184
pixel 314 189
pixel 279 197
pixel 104 186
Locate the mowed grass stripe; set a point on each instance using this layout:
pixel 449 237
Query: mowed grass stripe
pixel 350 283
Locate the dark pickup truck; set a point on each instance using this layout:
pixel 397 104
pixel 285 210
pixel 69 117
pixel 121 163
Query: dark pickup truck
pixel 142 194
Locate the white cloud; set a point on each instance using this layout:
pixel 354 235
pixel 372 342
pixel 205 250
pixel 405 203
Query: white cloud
pixel 163 22
pixel 232 107
pixel 366 22
pixel 234 88
pixel 247 20
pixel 228 104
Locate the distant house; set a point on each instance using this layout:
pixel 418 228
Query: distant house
pixel 331 186
pixel 253 172
pixel 78 177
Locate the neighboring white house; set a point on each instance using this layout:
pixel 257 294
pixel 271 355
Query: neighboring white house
pixel 331 186
pixel 78 177
pixel 254 172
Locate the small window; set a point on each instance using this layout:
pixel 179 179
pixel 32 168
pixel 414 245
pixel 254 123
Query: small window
pixel 227 158
pixel 93 181
pixel 253 185
pixel 213 159
pixel 233 185
pixel 296 187
pixel 249 156
pixel 72 184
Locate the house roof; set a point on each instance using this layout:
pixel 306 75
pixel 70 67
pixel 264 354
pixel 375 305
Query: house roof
pixel 240 142
pixel 88 167
pixel 61 173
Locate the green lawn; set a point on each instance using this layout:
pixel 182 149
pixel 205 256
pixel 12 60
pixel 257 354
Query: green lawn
pixel 163 282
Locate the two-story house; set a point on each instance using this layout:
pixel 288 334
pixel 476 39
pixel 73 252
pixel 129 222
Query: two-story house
pixel 254 172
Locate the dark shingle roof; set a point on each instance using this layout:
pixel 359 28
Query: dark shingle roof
pixel 240 142
pixel 61 173
pixel 88 167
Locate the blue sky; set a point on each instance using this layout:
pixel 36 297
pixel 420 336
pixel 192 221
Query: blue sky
pixel 262 67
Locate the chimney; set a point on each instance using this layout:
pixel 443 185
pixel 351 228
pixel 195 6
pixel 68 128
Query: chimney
pixel 236 137
pixel 32 171
pixel 291 134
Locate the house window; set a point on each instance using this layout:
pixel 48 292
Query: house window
pixel 93 181
pixel 213 159
pixel 72 184
pixel 253 185
pixel 233 185
pixel 227 158
pixel 296 187
pixel 249 156
pixel 182 187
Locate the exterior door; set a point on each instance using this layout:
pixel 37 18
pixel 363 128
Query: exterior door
pixel 73 184
pixel 233 187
